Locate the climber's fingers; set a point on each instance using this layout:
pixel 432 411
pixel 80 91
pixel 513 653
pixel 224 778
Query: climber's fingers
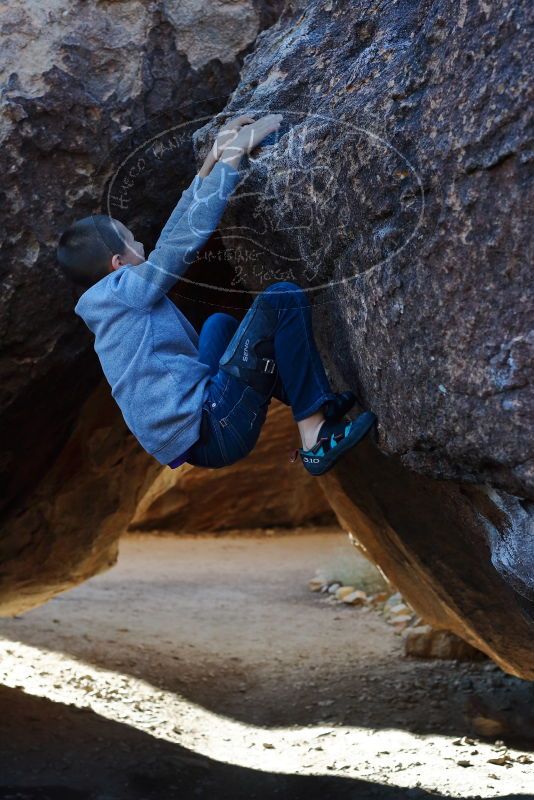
pixel 242 120
pixel 250 136
pixel 228 132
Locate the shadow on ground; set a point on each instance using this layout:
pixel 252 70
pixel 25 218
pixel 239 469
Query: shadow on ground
pixel 77 748
pixel 418 696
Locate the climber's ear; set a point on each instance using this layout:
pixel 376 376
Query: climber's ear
pixel 118 245
pixel 117 261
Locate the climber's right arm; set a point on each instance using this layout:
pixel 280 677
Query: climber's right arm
pixel 171 258
pixel 226 134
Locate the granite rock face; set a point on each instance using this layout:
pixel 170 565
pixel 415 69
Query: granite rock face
pixel 396 194
pixel 68 528
pixel 82 85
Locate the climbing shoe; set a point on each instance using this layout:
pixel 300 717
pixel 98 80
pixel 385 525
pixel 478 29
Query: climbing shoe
pixel 333 441
pixel 336 408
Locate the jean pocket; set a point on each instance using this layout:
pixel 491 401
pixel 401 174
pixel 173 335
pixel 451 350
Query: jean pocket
pixel 217 389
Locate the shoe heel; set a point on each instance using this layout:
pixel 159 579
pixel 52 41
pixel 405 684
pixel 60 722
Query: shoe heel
pixel 360 427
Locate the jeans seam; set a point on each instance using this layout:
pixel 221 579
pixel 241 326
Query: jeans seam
pixel 226 384
pixel 222 391
pixel 241 403
pixel 312 362
pixel 238 437
pixel 235 404
pixel 249 408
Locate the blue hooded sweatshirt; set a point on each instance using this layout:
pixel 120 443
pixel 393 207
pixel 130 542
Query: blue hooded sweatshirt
pixel 147 348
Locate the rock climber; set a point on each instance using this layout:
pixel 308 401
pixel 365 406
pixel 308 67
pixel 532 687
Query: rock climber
pixel 203 398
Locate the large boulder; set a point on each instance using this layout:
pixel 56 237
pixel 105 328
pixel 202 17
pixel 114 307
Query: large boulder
pixel 396 195
pixel 68 528
pixel 430 539
pixel 86 89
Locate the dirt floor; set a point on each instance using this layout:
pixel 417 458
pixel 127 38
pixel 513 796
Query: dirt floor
pixel 203 667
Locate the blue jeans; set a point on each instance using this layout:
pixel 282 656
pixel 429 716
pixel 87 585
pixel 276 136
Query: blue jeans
pixel 278 325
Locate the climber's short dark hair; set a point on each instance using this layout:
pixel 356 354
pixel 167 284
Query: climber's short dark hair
pixel 86 247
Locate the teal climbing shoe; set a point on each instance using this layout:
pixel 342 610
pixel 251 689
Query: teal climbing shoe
pixel 333 441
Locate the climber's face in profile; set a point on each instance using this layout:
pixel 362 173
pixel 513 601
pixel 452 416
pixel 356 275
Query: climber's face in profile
pixel 134 252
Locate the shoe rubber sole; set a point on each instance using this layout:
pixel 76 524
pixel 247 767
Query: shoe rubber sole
pixel 318 465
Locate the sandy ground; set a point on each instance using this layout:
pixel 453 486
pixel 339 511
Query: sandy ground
pixel 203 667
